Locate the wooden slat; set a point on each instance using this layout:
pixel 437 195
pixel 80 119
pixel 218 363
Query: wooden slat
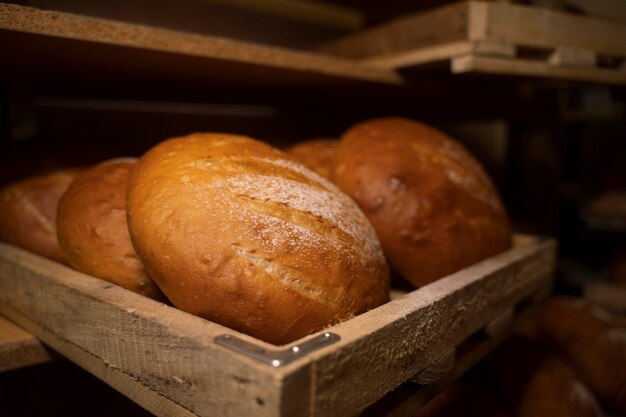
pixel 18 348
pixel 440 26
pixel 534 26
pixel 160 357
pixel 521 67
pixel 409 398
pixel 248 56
pixel 384 347
pixel 438 53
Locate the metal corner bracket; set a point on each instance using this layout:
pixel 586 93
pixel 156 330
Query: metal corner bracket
pixel 276 357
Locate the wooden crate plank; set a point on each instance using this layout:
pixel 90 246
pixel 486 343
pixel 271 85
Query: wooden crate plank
pixel 538 27
pixel 20 19
pixel 520 67
pixel 18 348
pixel 439 53
pixel 409 398
pixel 159 356
pixel 384 347
pixel 426 29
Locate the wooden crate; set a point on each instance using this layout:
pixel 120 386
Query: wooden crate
pixel 496 38
pixel 176 364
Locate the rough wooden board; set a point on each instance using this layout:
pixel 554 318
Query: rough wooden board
pixel 520 67
pixel 161 357
pixel 22 19
pixel 408 399
pixel 384 347
pixel 437 53
pixel 538 27
pixel 440 26
pixel 18 348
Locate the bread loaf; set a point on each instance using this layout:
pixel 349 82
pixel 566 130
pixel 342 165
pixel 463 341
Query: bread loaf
pixel 316 154
pixel 430 202
pixel 92 227
pixel 235 231
pixel 28 210
pixel 592 343
pixel 531 381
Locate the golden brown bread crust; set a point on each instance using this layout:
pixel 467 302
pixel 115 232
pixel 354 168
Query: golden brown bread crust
pixel 432 205
pixel 593 343
pixel 28 210
pixel 316 154
pixel 235 231
pixel 92 227
pixel 555 390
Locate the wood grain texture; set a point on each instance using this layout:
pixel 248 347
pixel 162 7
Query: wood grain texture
pixel 532 68
pixel 384 347
pixel 443 25
pixel 160 357
pixel 538 27
pixel 20 19
pixel 166 360
pixel 18 348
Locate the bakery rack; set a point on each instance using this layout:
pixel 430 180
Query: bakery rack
pixel 388 361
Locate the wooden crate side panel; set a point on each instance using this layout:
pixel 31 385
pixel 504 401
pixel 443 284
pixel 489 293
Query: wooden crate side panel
pixel 145 349
pixel 537 27
pixel 443 25
pixel 529 68
pixel 385 347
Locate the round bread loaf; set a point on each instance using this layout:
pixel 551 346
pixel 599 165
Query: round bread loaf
pixel 432 205
pixel 235 231
pixel 92 227
pixel 593 342
pixel 316 154
pixel 28 211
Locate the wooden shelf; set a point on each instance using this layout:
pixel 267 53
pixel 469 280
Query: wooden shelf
pixel 53 46
pixel 496 38
pixel 171 363
pixel 18 348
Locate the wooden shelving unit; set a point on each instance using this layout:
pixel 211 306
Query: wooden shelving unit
pixel 496 38
pixel 168 361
